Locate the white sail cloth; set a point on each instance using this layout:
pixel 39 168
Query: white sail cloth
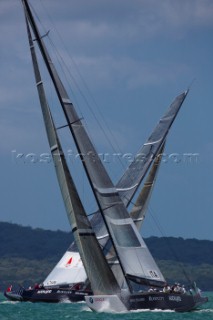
pixel 69 270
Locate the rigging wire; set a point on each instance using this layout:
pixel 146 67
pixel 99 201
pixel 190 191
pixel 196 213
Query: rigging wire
pixel 61 63
pixel 115 146
pixel 63 66
pixel 90 108
pixel 60 60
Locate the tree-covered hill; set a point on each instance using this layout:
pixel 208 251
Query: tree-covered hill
pixel 28 255
pixel 191 251
pixel 25 242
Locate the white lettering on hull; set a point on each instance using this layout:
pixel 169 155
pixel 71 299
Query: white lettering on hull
pixel 175 298
pixel 44 291
pixel 156 298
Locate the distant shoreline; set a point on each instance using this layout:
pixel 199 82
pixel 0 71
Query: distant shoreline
pixel 28 255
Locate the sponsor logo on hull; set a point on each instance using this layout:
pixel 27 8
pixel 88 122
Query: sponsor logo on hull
pixel 44 291
pixel 156 298
pixel 175 298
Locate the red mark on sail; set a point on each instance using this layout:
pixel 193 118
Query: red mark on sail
pixel 69 261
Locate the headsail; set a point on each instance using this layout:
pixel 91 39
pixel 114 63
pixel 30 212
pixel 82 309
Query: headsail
pixel 98 270
pixel 69 270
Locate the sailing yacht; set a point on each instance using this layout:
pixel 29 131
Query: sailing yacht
pixel 115 256
pixel 68 280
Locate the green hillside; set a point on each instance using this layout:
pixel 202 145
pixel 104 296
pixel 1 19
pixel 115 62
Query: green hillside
pixel 28 255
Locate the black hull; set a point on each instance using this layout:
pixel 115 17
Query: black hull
pixel 146 301
pixel 47 295
pixel 143 301
pixel 166 301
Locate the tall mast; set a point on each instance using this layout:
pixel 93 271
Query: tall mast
pixel 88 156
pixel 98 271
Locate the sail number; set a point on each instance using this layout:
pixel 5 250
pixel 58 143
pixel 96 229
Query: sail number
pixel 153 274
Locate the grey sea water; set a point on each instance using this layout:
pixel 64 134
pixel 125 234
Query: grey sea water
pixel 79 311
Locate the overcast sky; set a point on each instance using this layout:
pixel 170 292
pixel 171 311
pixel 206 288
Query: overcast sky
pixel 134 57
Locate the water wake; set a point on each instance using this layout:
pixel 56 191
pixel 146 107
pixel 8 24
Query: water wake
pixel 9 302
pixel 205 311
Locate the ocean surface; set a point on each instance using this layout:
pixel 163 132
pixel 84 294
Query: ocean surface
pixel 79 311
